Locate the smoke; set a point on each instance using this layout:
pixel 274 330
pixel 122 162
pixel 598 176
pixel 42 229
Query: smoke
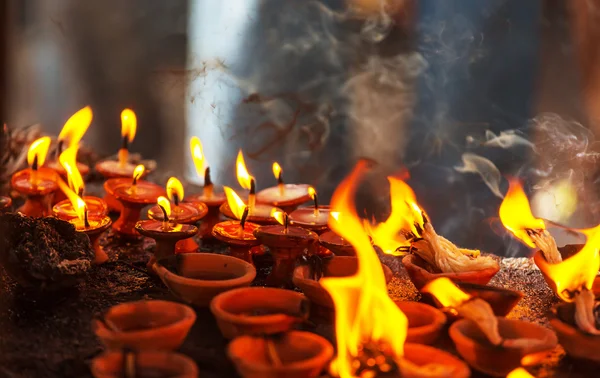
pixel 485 168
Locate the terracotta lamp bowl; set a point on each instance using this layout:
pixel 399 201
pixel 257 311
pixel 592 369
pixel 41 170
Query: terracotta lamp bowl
pixel 302 355
pixel 577 344
pixel 147 364
pixel 425 323
pixel 501 300
pixel 197 278
pixel 336 244
pixel 145 325
pixel 338 266
pixel 258 311
pixel 263 217
pixel 497 361
pixel 422 355
pixel 420 273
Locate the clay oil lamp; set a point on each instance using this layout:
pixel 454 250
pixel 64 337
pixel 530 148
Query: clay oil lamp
pixel 490 344
pixel 258 213
pixel 501 300
pixel 293 354
pixel 166 232
pixel 144 364
pixel 213 200
pixel 336 244
pixel 5 204
pixel 133 194
pixel 425 323
pixel 196 278
pixel 93 225
pixel 370 328
pixel 238 235
pixel 181 212
pixel 36 183
pixel 284 196
pixel 286 244
pixel 258 311
pixel 145 325
pixel 312 218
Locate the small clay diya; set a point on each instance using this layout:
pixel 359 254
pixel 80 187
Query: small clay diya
pixel 294 354
pixel 422 355
pixel 420 273
pixel 336 244
pixel 5 204
pixel 37 185
pixel 96 207
pixel 286 197
pixel 213 202
pixel 116 177
pixel 501 300
pixel 144 364
pixel 498 361
pixel 577 344
pixel 425 323
pixel 240 243
pixel 197 278
pixel 286 244
pixel 261 214
pixel 258 311
pixel 307 217
pixel 338 266
pixel 145 325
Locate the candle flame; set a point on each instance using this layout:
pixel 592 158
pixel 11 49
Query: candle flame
pixel 312 192
pixel 128 124
pixel 363 310
pixel 519 373
pixel 243 176
pixel 138 172
pixel 39 150
pixel 198 155
pixel 515 213
pixel 76 126
pixel 78 204
pixel 165 204
pixel 276 170
pixel 335 215
pixel 68 160
pixel 446 292
pixel 279 216
pixel 174 188
pixel 235 203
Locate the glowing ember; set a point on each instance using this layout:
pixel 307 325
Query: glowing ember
pixel 175 190
pixel 75 127
pixel 68 160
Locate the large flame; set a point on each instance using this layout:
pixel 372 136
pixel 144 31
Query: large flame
pixel 446 292
pixel 38 150
pixel 174 188
pixel 515 213
pixel 363 310
pixel 235 203
pixel 78 204
pixel 243 176
pixel 76 126
pixel 198 155
pixel 128 124
pixel 68 160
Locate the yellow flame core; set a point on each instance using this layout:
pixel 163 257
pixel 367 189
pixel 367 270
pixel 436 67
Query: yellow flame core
pixel 198 155
pixel 278 215
pixel 174 187
pixel 38 148
pixel 235 203
pixel 76 126
pixel 519 373
pixel 76 201
pixel 515 213
pixel 138 172
pixel 446 292
pixel 128 124
pixel 165 204
pixel 276 170
pixel 363 310
pixel 312 192
pixel 243 176
pixel 577 271
pixel 68 160
pixel 335 215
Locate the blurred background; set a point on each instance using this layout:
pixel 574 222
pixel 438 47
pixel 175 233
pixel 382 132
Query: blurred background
pixel 460 93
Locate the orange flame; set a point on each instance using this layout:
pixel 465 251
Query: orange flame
pixel 39 150
pixel 279 216
pixel 363 310
pixel 165 204
pixel 138 172
pixel 235 203
pixel 76 126
pixel 198 155
pixel 78 204
pixel 446 292
pixel 243 176
pixel 68 160
pixel 519 373
pixel 312 192
pixel 128 124
pixel 515 213
pixel 174 187
pixel 276 170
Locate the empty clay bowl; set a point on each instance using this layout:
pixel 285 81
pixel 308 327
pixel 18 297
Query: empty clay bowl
pixel 258 311
pixel 147 364
pixel 498 361
pixel 500 299
pixel 197 278
pixel 576 343
pixel 420 273
pixel 424 322
pixel 422 355
pixel 302 355
pixel 338 266
pixel 145 325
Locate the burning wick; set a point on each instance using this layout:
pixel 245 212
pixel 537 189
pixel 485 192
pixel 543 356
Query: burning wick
pixel 252 195
pixel 278 173
pixel 313 194
pixel 137 173
pixel 175 190
pixel 165 207
pixel 208 185
pixel 283 219
pixel 128 129
pixel 86 222
pixel 243 221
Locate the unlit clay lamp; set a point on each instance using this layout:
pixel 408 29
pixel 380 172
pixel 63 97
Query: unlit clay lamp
pixel 133 195
pixel 36 183
pixel 285 196
pixel 239 235
pixel 425 323
pixel 312 218
pixel 91 224
pixel 5 204
pixel 166 233
pixel 149 364
pixel 181 212
pixel 286 244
